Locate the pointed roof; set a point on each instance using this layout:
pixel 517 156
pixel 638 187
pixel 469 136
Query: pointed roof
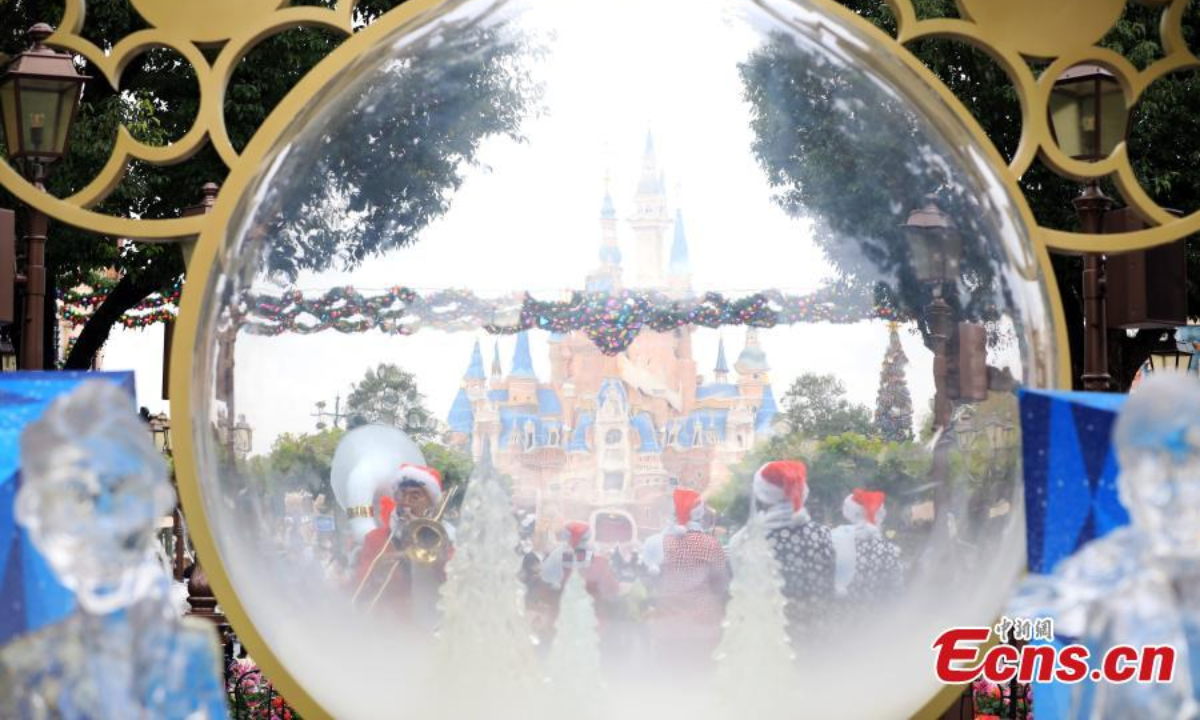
pixel 461 418
pixel 651 181
pixel 496 369
pixel 679 264
pixel 722 366
pixel 608 211
pixel 765 417
pixel 475 368
pixel 522 362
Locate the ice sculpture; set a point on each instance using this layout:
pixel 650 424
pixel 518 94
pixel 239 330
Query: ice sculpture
pixel 574 661
pixel 1139 585
pixel 754 658
pixel 94 489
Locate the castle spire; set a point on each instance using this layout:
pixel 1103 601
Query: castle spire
pixel 475 368
pixel 522 362
pixel 721 371
pixel 650 219
pixel 497 371
pixel 679 265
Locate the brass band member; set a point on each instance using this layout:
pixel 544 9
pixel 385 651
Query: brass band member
pixel 393 572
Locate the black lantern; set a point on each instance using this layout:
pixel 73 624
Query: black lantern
pixel 39 94
pixel 160 428
pixel 8 353
pixel 934 242
pixel 243 437
pixel 1171 361
pixel 1087 112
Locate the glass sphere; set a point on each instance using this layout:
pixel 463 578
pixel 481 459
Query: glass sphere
pixel 712 313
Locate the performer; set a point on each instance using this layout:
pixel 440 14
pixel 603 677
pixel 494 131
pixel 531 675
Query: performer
pixel 575 552
pixel 868 567
pixel 803 548
pixel 692 587
pixel 386 576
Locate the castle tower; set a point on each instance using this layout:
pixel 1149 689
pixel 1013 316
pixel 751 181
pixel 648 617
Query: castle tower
pixel 474 379
pixel 649 220
pixel 607 277
pixel 679 269
pixel 522 383
pixel 614 460
pixel 497 379
pixel 752 369
pixel 721 371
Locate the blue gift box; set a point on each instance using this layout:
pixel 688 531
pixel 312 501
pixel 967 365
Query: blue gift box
pixel 1070 472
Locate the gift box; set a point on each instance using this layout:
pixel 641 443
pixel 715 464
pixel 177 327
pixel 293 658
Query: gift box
pixel 1070 472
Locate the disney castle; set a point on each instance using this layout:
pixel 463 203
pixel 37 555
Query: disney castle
pixel 606 439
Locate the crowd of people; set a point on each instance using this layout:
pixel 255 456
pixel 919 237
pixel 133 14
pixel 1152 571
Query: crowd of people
pixel 664 601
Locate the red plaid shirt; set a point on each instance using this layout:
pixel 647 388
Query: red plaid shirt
pixel 694 579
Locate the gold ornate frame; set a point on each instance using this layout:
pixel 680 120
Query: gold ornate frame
pixel 1064 32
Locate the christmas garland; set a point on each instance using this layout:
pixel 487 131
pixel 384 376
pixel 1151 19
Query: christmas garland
pixel 611 320
pixel 76 307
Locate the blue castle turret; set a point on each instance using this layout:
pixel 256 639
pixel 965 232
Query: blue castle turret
pixel 522 362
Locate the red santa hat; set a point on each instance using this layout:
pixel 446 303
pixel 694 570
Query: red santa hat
pixel 689 510
pixel 576 534
pixel 865 505
pixel 782 480
pixel 427 478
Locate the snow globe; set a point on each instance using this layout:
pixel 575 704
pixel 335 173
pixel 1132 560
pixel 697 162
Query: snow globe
pixel 695 328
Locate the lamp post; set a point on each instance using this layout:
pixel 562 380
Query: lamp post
pixel 1088 119
pixel 936 249
pixel 336 416
pixel 243 438
pixel 39 94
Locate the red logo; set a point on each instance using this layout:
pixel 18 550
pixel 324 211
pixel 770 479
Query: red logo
pixel 961 658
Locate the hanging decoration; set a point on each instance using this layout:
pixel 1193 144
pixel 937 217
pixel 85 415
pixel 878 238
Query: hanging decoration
pixel 611 320
pixel 77 306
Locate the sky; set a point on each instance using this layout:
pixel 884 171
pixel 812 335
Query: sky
pixel 527 219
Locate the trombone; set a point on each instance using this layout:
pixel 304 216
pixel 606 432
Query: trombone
pixel 424 541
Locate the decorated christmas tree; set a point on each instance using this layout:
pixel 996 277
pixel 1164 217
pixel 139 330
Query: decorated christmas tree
pixel 893 404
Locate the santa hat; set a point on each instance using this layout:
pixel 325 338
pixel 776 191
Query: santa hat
pixel 865 506
pixel 576 534
pixel 689 511
pixel 780 481
pixel 427 478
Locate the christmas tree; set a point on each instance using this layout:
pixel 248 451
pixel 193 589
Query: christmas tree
pixel 893 404
pixel 755 676
pixel 574 661
pixel 485 649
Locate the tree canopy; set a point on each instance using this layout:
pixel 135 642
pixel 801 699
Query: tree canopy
pixel 816 406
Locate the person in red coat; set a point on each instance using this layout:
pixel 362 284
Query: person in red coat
pixel 692 587
pixel 385 576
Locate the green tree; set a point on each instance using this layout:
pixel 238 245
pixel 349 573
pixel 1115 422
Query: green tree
pixel 893 403
pixel 455 466
pixel 392 194
pixel 816 406
pixel 858 162
pixel 299 462
pixel 389 395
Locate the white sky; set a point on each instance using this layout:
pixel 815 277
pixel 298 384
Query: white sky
pixel 530 222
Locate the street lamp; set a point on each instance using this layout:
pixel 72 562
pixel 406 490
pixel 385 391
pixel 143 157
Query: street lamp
pixel 1088 118
pixel 936 248
pixel 243 437
pixel 39 94
pixel 160 428
pixel 1087 112
pixel 8 354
